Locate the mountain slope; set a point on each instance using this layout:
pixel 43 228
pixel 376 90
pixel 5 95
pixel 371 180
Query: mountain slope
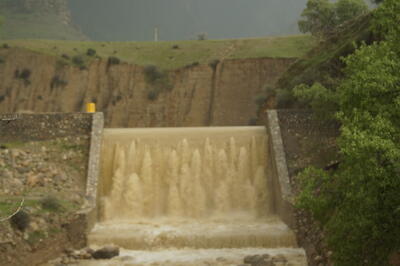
pixel 38 19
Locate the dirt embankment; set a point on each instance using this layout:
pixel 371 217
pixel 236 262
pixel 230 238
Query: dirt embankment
pixel 219 94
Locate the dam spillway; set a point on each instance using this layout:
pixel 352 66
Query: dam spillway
pixel 189 191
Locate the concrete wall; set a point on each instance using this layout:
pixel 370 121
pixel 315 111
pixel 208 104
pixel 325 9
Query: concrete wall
pixel 296 140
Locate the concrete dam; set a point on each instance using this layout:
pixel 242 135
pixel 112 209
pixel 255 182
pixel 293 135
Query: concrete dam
pixel 189 196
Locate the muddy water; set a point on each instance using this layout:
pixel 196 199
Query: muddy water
pixel 189 196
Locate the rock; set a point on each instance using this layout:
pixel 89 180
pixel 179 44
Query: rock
pixel 107 252
pixel 34 226
pixel 318 258
pixel 258 260
pixel 32 180
pixel 252 259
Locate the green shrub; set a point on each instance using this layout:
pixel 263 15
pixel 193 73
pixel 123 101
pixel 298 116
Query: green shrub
pixel 152 73
pixel 91 52
pixel 113 60
pixel 358 205
pixel 152 95
pixel 25 74
pixel 2 60
pixel 6 46
pixel 78 60
pixel 51 203
pixel 56 81
pixel 20 220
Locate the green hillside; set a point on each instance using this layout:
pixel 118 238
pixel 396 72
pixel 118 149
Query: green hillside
pixel 34 21
pixel 174 54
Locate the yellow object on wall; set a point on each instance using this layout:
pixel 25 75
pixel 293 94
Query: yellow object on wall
pixel 91 107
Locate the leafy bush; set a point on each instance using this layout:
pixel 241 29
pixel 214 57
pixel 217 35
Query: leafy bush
pixel 20 220
pixel 320 17
pixel 91 52
pixel 359 205
pixel 57 81
pixel 78 60
pixel 322 100
pixel 113 60
pixel 152 73
pixel 51 203
pixel 5 46
pixel 25 74
pixel 152 95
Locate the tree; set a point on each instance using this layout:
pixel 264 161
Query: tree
pixel 318 17
pixel 359 204
pixel 322 16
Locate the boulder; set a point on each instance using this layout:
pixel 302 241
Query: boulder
pixel 107 252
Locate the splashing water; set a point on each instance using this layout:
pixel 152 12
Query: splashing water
pixel 189 188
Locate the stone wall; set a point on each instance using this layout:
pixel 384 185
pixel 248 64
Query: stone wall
pixel 33 127
pixel 298 140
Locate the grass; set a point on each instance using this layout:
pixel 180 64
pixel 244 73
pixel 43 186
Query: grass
pixel 166 56
pixel 9 204
pixel 13 145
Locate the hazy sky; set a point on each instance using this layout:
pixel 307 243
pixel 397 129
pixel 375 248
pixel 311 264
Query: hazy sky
pixel 125 20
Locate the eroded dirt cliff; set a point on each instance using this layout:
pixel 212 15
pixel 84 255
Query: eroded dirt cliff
pixel 219 94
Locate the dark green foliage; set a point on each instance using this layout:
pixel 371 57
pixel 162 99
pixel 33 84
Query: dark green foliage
pixel 113 60
pixel 359 205
pixel 323 64
pixel 322 100
pixel 158 80
pixel 57 81
pixel 25 74
pixel 91 52
pixel 20 220
pixel 51 203
pixel 152 95
pixel 2 60
pixel 65 56
pixel 6 46
pixel 321 17
pixel 78 60
pixel 152 73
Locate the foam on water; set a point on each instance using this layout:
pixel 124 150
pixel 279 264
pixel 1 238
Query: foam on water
pixel 189 194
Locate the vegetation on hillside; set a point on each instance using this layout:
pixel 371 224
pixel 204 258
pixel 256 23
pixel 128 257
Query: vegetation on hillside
pixel 323 64
pixel 358 204
pixel 174 54
pixel 321 17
